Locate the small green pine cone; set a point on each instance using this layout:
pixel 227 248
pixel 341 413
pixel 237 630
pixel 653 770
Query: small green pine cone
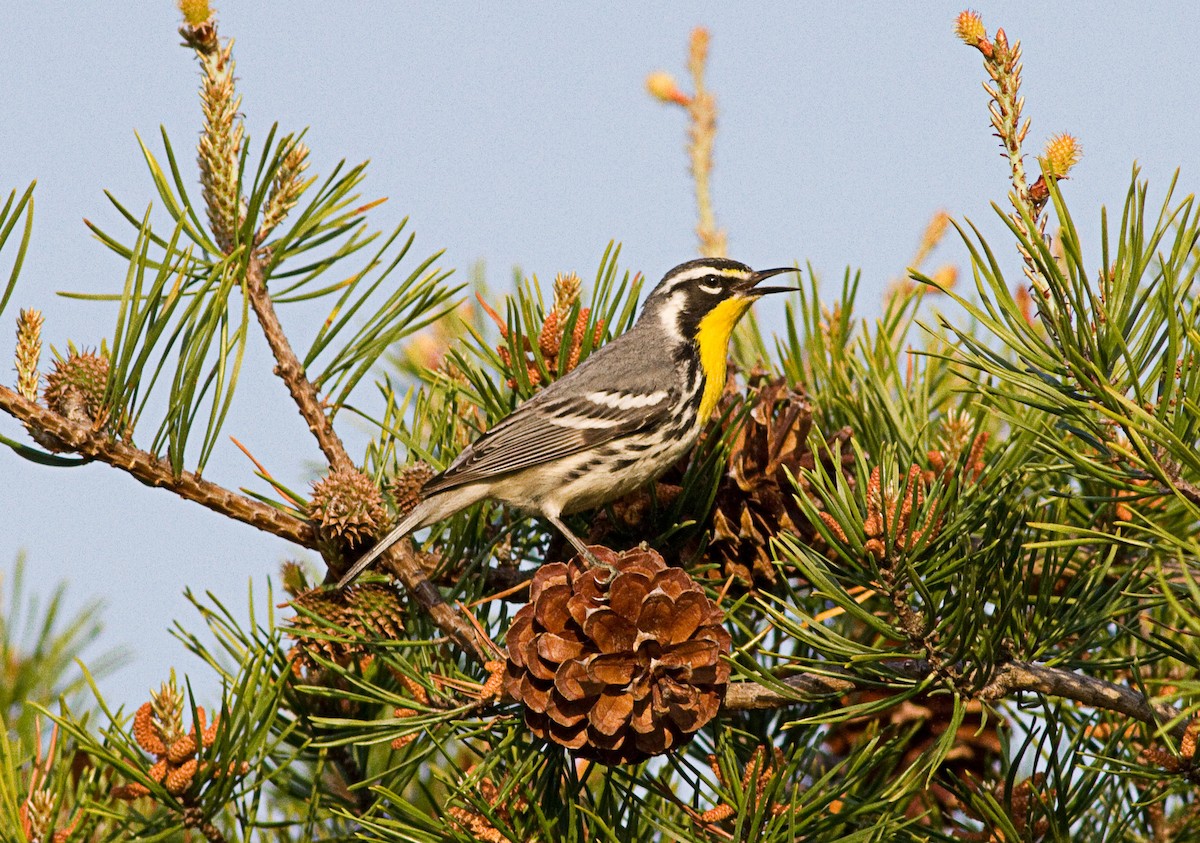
pixel 347 507
pixel 75 389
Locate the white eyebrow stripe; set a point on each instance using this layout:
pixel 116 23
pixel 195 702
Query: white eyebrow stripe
pixel 699 273
pixel 694 273
pixel 622 401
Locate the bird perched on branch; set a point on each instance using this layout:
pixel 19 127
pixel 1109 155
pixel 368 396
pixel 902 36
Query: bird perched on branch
pixel 616 422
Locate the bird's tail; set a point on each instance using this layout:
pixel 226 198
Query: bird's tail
pixel 410 522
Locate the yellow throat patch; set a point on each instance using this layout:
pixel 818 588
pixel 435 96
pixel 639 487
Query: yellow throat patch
pixel 712 337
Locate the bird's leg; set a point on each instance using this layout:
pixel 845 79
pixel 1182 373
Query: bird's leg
pixel 586 553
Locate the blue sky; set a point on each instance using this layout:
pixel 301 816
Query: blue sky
pixel 520 135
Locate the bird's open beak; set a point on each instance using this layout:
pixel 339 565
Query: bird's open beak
pixel 762 275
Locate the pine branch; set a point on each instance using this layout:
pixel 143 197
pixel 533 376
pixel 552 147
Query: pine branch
pixel 154 471
pixel 1010 678
pixel 290 370
pixel 1016 677
pixel 402 563
pixel 399 559
pixel 1002 62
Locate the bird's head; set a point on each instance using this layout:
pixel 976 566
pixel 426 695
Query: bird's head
pixel 702 300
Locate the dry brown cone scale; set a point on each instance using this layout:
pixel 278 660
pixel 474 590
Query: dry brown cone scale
pixel 617 666
pixel 756 498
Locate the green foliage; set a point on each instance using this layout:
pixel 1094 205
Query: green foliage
pixel 40 647
pixel 1107 379
pixel 10 216
pixel 1016 490
pixel 40 644
pixel 185 300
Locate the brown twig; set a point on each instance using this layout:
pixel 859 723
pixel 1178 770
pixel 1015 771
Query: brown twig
pixel 403 564
pixel 1009 679
pixel 1174 474
pixel 399 559
pixel 1015 677
pixel 154 471
pixel 290 370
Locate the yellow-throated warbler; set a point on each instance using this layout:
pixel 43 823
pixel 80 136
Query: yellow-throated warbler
pixel 619 420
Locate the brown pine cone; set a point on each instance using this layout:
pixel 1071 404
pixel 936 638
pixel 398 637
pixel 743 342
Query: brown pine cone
pixel 617 666
pixel 755 500
pixel 406 486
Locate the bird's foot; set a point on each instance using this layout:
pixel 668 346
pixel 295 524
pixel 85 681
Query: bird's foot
pixel 593 561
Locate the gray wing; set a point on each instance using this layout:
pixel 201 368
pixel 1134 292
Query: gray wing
pixel 566 418
pixel 538 434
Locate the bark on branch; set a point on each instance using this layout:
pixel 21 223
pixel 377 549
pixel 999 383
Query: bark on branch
pixel 290 370
pixel 400 560
pixel 1009 679
pixel 155 471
